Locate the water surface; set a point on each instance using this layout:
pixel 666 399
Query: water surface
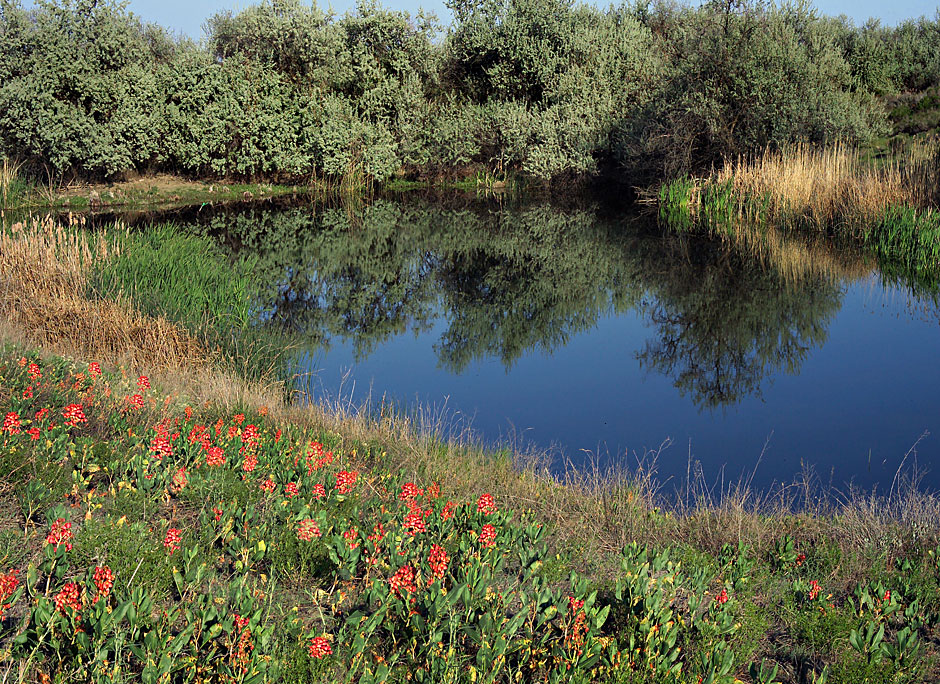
pixel 600 334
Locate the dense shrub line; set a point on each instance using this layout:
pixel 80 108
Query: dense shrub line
pixel 541 87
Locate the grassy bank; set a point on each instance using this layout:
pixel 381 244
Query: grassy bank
pixel 20 193
pixel 889 207
pixel 175 519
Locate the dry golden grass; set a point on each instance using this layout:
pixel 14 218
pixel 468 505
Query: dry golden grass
pixel 829 184
pixel 44 293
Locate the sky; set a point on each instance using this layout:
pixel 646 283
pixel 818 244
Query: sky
pixel 187 17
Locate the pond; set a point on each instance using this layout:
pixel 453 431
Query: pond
pixel 592 331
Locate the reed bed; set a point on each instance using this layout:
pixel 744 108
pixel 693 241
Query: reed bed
pixel 44 277
pixel 890 210
pixel 828 186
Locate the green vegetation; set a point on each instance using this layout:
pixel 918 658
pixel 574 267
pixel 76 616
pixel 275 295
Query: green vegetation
pixel 544 90
pixel 258 546
pixel 891 209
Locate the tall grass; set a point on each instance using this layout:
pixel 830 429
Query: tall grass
pixel 44 286
pixel 890 209
pixel 14 188
pixel 166 272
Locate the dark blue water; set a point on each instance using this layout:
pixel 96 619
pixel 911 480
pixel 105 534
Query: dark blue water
pixel 603 336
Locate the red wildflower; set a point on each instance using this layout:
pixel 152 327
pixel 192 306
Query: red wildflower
pixel 73 414
pixel 104 580
pixel 409 491
pixel 308 529
pixel 250 434
pixel 277 436
pixel 268 486
pixel 319 491
pixel 41 414
pixel 403 581
pixel 94 369
pixel 319 647
pixel 28 392
pixel 814 590
pixel 143 382
pixel 291 490
pixel 218 513
pixel 437 561
pixel 800 559
pixel 188 411
pixel 346 480
pixel 136 402
pixel 238 418
pixel 250 463
pixel 33 432
pixel 60 533
pixel 486 505
pixel 414 523
pixel 8 584
pixel 487 536
pixel 11 424
pixel 172 540
pixel 574 605
pixel 34 371
pixel 722 598
pixel 161 448
pixel 352 536
pixel 887 597
pixel 215 456
pixel 448 511
pixel 69 597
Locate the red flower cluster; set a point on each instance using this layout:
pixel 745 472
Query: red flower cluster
pixel 403 581
pixel 437 561
pixel 414 523
pixel 352 537
pixel 143 382
pixel 136 402
pixel 161 447
pixel 346 480
pixel 73 414
pixel 104 580
pixel 172 540
pixel 34 372
pixel 319 647
pixel 319 491
pixel 69 597
pixel 218 513
pixel 308 529
pixel 33 432
pixel 8 585
pixel 800 559
pixel 250 463
pixel 409 491
pixel 291 490
pixel 60 533
pixel 814 590
pixel 722 598
pixel 574 605
pixel 94 369
pixel 215 456
pixel 487 536
pixel 28 392
pixel 11 423
pixel 448 511
pixel 486 505
pixel 268 486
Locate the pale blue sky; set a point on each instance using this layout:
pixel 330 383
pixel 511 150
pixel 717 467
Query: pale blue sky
pixel 187 17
